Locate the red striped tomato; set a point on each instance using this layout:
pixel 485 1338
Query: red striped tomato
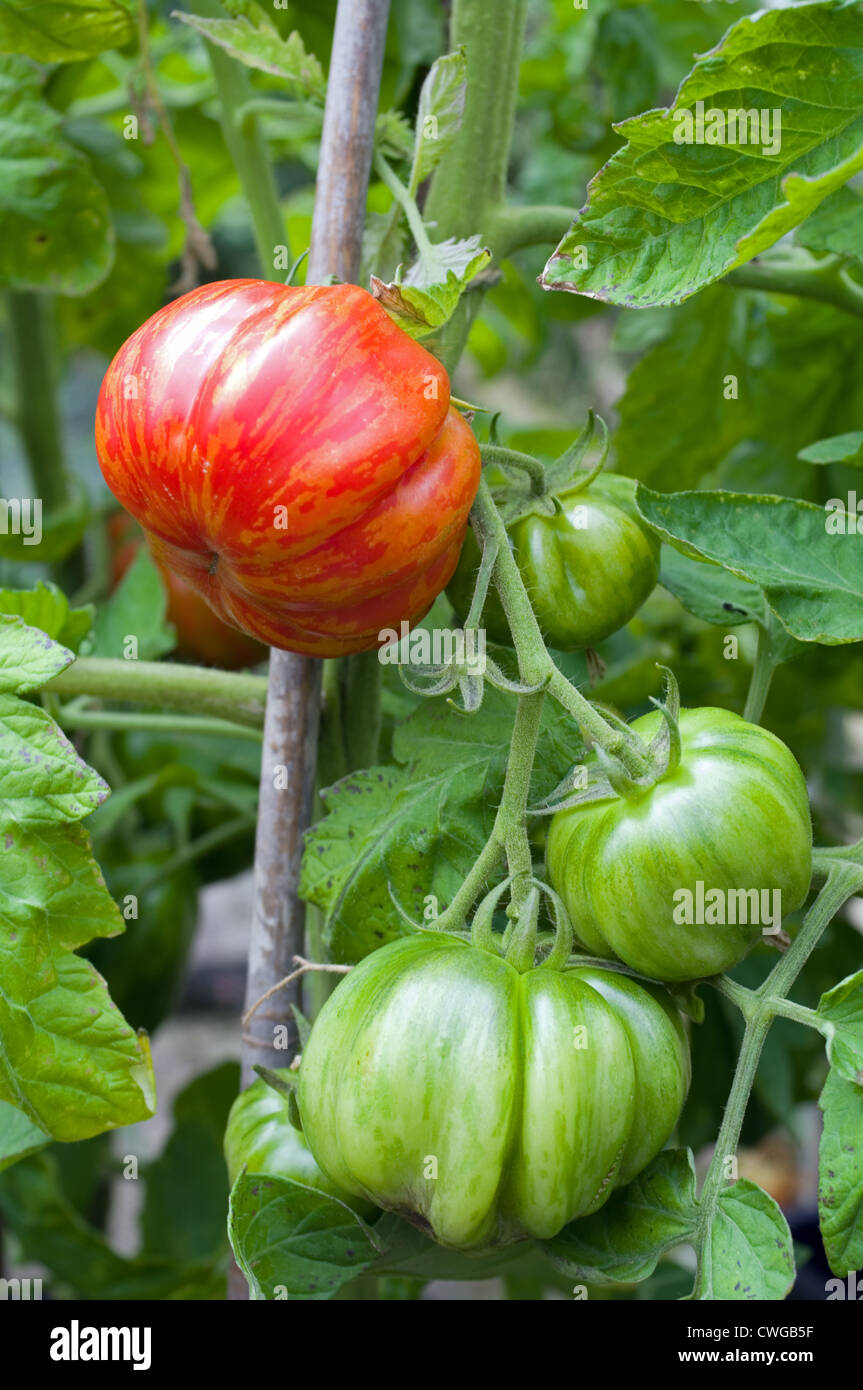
pixel 293 455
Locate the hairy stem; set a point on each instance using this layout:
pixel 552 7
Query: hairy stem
pixel 762 675
pixel 198 690
pixel 169 724
pixel 535 664
pixel 825 281
pixel 760 1007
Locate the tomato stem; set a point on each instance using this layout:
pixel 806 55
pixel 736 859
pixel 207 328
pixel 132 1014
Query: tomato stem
pixel 760 1007
pixel 762 675
pixel 535 665
pixel 496 453
pixel 200 690
pixel 170 724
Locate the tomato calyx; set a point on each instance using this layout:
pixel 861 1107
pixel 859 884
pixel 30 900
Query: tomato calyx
pixel 519 943
pixel 526 487
pixel 605 777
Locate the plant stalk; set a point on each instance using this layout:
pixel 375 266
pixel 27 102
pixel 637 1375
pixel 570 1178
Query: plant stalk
pixel 294 695
pixel 196 690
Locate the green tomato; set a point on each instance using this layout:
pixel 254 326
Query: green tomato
pixel 484 1104
pixel 732 817
pixel 587 568
pixel 260 1138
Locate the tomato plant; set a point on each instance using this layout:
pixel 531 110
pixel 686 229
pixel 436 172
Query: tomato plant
pixel 292 455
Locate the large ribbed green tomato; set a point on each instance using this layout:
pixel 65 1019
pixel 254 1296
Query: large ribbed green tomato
pixel 714 839
pixel 260 1138
pixel 486 1104
pixel 587 569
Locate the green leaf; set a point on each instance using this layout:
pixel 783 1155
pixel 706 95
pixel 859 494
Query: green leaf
pixel 50 1230
pixel 265 49
pixel 293 1242
pixel 623 1242
pixel 839 448
pixel 710 592
pixel 42 778
pixel 52 32
pixel 840 1173
pixel 52 894
pixel 47 608
pixel 813 580
pixel 841 1009
pixel 187 1186
pixel 737 430
pixel 413 833
pixel 428 295
pixel 391 829
pixel 836 226
pixel 670 213
pixel 439 114
pixel 406 1251
pixel 28 658
pixel 18 1135
pixel 136 611
pixel 57 232
pixel 749 1252
pixel 68 1061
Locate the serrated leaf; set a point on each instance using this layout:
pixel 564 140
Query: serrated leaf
pixel 50 882
pixel 18 1135
pixel 623 1242
pixel 749 1251
pixel 839 448
pixel 666 217
pixel 266 50
pixel 65 33
pixel 439 114
pixel 836 226
pixel 841 1010
pixel 28 658
pixel 812 580
pixel 57 233
pixel 737 430
pixel 68 1059
pixel 46 607
pixel 50 1230
pixel 293 1242
pixel 429 293
pixel 390 829
pixel 42 778
pixel 709 592
pixel 136 610
pixel 840 1173
pixel 412 833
